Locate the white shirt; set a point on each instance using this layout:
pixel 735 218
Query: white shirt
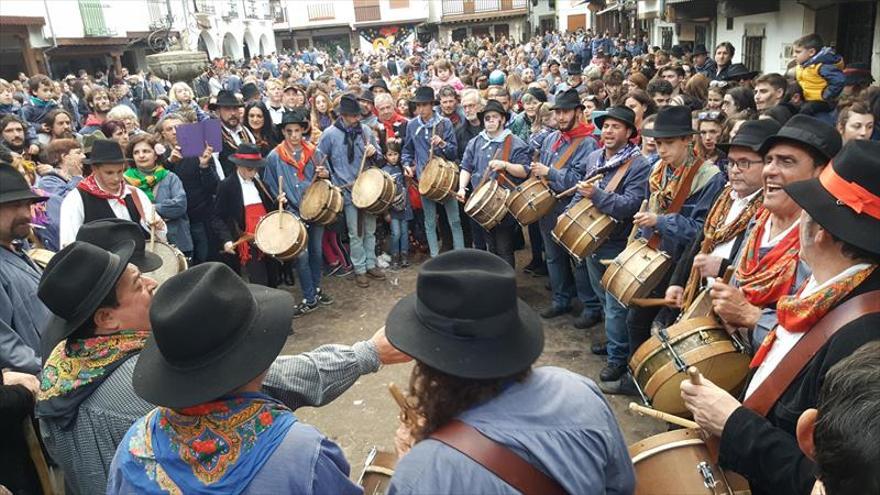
pixel 786 340
pixel 249 191
pixel 275 113
pixel 767 242
pixel 738 206
pixel 73 213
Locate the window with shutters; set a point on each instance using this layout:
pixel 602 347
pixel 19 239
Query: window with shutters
pixel 92 13
pixel 753 46
pixel 399 4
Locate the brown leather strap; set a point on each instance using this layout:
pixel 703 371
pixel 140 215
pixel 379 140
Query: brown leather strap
pixel 568 152
pixel 501 461
pixel 684 190
pixel 505 156
pixel 137 204
pixel 762 400
pixel 618 176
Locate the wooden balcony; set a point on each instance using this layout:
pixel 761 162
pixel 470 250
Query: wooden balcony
pixel 320 11
pixel 473 10
pixel 367 11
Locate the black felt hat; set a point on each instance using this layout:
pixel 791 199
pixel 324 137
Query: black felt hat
pixel 212 333
pixel 14 187
pixel 348 105
pixel 424 94
pixel 298 115
pixel 105 152
pixel 739 72
pixel 226 99
pixel 108 232
pixel 465 318
pixel 75 282
pixel 752 134
pixel 700 50
pixel 538 93
pixel 807 131
pixel 250 91
pixel 379 83
pixel 248 155
pixel 845 198
pixel 367 96
pixel 493 106
pixel 620 113
pixel 567 100
pixel 672 121
pixel 574 69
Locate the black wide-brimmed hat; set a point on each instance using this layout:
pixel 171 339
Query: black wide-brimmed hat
pixel 538 93
pixel 700 50
pixel 752 134
pixel 845 198
pixel 672 121
pixel 493 106
pixel 14 187
pixel 620 113
pixel 249 91
pixel 739 72
pixel 248 155
pixel 424 94
pixel 109 232
pixel 212 333
pixel 105 152
pixel 567 100
pixel 465 318
pixel 379 83
pixel 858 73
pixel 807 131
pixel 348 105
pixel 75 282
pixel 367 95
pixel 574 69
pixel 552 63
pixel 226 99
pixel 298 115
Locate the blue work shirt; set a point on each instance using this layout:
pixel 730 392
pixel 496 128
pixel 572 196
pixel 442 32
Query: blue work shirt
pixel 293 187
pixel 480 152
pixel 568 174
pixel 417 144
pixel 343 172
pixel 23 316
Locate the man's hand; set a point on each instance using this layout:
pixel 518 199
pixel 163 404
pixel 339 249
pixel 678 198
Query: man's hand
pixel 730 304
pixel 321 172
pixel 403 440
pixel 388 354
pixel 539 169
pixel 461 194
pixel 409 171
pixel 645 219
pixel 204 159
pixel 708 265
pixel 437 141
pixel 176 155
pixel 26 380
pixel 497 165
pixel 228 248
pixel 43 169
pixel 675 295
pixel 710 404
pixel 33 150
pixel 586 190
pixel 282 198
pixel 370 150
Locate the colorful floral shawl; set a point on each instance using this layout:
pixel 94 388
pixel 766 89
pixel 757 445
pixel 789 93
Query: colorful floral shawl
pixel 765 279
pixel 146 182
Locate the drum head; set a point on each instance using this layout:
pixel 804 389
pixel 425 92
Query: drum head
pixel 719 362
pixel 367 188
pixel 274 236
pixel 171 261
pixel 314 199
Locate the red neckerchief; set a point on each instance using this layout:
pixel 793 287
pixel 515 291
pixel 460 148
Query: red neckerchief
pixel 287 157
pixel 389 124
pixel 90 185
pixel 93 120
pixel 765 279
pixel 580 130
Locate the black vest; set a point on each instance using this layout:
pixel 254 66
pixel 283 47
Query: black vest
pixel 95 208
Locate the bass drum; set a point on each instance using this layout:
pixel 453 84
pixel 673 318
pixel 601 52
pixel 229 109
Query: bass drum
pixel 379 468
pixel 679 462
pixel 281 234
pixel 530 201
pixel 321 203
pixel 660 364
pixel 373 191
pixel 173 261
pixel 635 272
pixel 438 180
pixel 582 229
pixel 488 204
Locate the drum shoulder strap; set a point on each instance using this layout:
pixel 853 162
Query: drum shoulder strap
pixel 618 176
pixel 684 189
pixel 505 150
pixel 762 400
pixel 500 460
pixel 568 152
pixel 137 203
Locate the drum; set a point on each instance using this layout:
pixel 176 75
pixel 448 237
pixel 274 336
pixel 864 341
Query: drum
pixel 678 462
pixel 321 203
pixel 635 271
pixel 40 256
pixel 438 180
pixel 373 191
pixel 660 364
pixel 582 229
pixel 488 204
pixel 530 201
pixel 173 261
pixel 281 234
pixel 378 470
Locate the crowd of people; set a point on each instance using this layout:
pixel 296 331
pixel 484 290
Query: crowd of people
pixel 760 190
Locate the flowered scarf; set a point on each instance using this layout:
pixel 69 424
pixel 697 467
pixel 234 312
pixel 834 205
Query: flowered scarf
pixel 287 157
pixel 620 157
pixel 217 447
pixel 351 135
pixel 146 182
pixel 389 124
pixel 666 192
pixel 90 185
pixel 578 131
pixel 75 368
pixel 764 280
pixel 799 315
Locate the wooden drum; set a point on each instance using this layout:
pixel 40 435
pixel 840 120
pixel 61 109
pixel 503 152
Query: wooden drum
pixel 321 203
pixel 173 261
pixel 488 204
pixel 679 462
pixel 281 234
pixel 582 229
pixel 438 180
pixel 530 201
pixel 376 478
pixel 635 271
pixel 660 364
pixel 373 191
pixel 40 256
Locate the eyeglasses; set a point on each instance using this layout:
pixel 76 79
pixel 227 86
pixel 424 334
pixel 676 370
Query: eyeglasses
pixel 710 115
pixel 745 163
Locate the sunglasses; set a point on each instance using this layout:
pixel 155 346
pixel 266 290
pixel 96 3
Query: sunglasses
pixel 711 115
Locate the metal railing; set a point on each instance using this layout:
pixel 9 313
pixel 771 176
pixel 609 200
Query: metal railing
pixel 205 7
pixel 460 7
pixel 320 11
pixel 158 17
pixel 92 14
pixel 367 13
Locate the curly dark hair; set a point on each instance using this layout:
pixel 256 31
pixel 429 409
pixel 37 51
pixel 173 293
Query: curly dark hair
pixel 438 397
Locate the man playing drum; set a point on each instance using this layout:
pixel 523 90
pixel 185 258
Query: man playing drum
pixel 344 144
pixel 429 130
pixel 562 161
pixel 621 201
pixel 832 315
pixel 297 162
pixel 479 160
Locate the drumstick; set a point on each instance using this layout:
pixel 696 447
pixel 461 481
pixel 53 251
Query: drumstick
pixel 488 171
pixel 36 455
pixel 363 158
pixel 430 145
pixel 507 180
pixel 649 302
pixel 153 230
pixel 405 408
pixel 280 203
pixel 244 238
pixel 575 187
pixel 694 375
pixel 669 418
pixel 635 229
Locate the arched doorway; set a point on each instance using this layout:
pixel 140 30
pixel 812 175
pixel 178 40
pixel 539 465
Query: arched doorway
pixel 264 45
pixel 250 45
pixel 207 45
pixel 231 47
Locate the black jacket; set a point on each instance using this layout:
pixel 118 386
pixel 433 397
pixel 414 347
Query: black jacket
pixel 200 185
pixel 463 134
pixel 686 262
pixel 228 219
pixel 765 450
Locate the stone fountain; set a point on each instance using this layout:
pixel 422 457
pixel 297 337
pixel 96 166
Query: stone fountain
pixel 178 64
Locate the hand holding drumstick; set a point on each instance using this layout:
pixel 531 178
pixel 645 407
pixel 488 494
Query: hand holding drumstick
pixel 710 404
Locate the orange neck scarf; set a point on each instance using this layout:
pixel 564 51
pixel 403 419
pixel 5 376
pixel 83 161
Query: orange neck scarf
pixel 765 279
pixel 286 155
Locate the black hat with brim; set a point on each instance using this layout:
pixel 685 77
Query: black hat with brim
pixel 622 114
pixel 248 155
pixel 212 334
pixel 751 135
pixel 424 94
pixel 379 83
pixel 106 152
pixel 298 115
pixel 226 99
pixel 700 50
pixel 367 96
pixel 493 106
pixel 739 72
pixel 672 121
pixel 14 187
pixel 108 232
pixel 348 105
pixel 857 166
pixel 806 131
pixel 567 100
pixel 465 318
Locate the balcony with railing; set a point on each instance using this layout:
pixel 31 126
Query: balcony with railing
pixel 320 11
pixel 367 11
pixel 231 10
pixel 158 16
pixel 251 10
pixel 276 11
pixel 92 14
pixel 475 9
pixel 205 7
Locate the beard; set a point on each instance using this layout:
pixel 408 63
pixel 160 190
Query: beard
pixel 231 122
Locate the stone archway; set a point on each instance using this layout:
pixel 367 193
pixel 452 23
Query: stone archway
pixel 264 45
pixel 207 45
pixel 250 46
pixel 231 47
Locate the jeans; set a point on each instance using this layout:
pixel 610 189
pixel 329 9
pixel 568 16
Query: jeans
pixel 536 242
pixel 615 315
pixel 500 241
pixel 309 263
pixel 451 207
pixel 478 234
pixel 363 247
pixel 639 320
pixel 399 236
pixel 199 233
pixel 564 285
